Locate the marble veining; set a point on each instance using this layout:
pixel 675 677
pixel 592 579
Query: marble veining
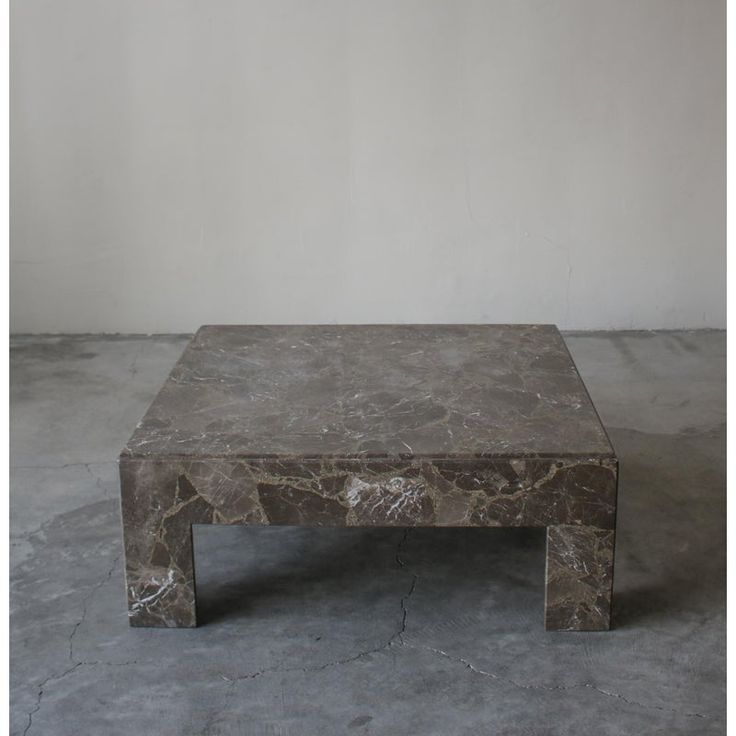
pixel 462 425
pixel 373 391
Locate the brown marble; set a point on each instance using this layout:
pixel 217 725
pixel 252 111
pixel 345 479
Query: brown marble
pixel 579 577
pixel 410 425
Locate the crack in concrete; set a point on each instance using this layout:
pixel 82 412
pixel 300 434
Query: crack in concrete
pixel 80 663
pixel 397 639
pixel 68 671
pixel 400 547
pixel 98 481
pixel 405 611
pixel 347 660
pixel 608 693
pixel 404 599
pixel 316 668
pixel 39 695
pixel 86 600
pixel 550 688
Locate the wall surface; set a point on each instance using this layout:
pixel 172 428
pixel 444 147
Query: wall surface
pixel 178 163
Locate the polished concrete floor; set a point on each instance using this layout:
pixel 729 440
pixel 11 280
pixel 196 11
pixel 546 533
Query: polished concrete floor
pixel 336 631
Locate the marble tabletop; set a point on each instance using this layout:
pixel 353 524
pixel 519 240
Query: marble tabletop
pixel 373 391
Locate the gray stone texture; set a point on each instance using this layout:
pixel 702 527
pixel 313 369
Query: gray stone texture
pixel 366 630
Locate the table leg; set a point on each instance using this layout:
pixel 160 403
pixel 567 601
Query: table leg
pixel 579 578
pixel 159 558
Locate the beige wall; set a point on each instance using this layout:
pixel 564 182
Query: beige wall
pixel 180 163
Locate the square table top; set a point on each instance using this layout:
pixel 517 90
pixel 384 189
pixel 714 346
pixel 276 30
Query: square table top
pixel 372 391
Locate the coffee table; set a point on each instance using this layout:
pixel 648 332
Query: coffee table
pixel 371 425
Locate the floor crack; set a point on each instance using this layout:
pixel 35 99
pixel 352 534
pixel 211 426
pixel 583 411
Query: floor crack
pixel 97 479
pixel 85 603
pixel 317 668
pixel 405 611
pixel 61 676
pixel 608 693
pixel 396 639
pixel 515 683
pixel 400 547
pixel 39 695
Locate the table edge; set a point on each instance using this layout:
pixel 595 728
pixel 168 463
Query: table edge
pixel 127 455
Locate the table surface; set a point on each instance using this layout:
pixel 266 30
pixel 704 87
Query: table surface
pixel 380 391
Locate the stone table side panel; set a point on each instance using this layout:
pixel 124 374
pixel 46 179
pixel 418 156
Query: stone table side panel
pixel 162 498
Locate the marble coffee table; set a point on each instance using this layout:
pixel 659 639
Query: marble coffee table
pixel 371 425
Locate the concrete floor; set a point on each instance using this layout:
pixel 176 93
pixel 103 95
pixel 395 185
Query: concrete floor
pixel 366 631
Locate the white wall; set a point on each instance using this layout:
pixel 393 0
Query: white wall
pixel 177 163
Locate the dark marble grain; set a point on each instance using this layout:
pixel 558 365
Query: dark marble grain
pixel 373 390
pixel 579 578
pixel 371 426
